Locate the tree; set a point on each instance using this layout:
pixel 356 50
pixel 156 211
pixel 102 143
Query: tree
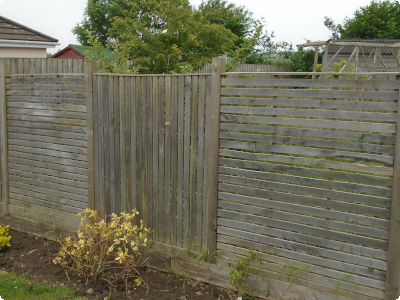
pixel 168 36
pixel 378 20
pixel 235 18
pixel 98 17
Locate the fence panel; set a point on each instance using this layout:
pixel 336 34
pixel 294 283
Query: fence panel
pixel 47 147
pixel 305 179
pixel 150 151
pixel 45 65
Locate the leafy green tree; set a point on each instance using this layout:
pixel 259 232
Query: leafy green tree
pixel 98 17
pixel 168 36
pixel 171 36
pixel 303 59
pixel 378 20
pixel 237 19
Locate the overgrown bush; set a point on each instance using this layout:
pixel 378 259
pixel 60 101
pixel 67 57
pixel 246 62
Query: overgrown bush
pixel 104 250
pixel 4 237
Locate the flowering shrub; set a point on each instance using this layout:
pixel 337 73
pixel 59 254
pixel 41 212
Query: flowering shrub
pixel 105 250
pixel 4 237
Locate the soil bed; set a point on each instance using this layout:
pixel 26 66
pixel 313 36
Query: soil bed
pixel 33 255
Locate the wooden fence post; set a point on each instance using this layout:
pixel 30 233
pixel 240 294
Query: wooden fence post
pixel 212 155
pixel 90 68
pixel 4 71
pixel 393 260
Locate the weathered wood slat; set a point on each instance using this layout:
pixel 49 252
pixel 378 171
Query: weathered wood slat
pixel 134 142
pixel 44 145
pixel 315 217
pixel 50 169
pixel 278 271
pixel 122 143
pixel 63 107
pixel 310 93
pixel 24 152
pixel 145 153
pixel 312 255
pixel 388 160
pixel 316 133
pixel 340 104
pixel 61 121
pixel 38 86
pixel 100 201
pixel 50 188
pixel 327 83
pixel 79 80
pixel 319 266
pixel 311 245
pixel 155 170
pixel 338 165
pixel 26 171
pixel 290 226
pixel 181 106
pixel 299 189
pixel 171 152
pixel 364 147
pixel 59 129
pixel 343 125
pixel 200 162
pixel 47 113
pixel 109 146
pixel 15 146
pixel 164 205
pixel 72 199
pixel 193 159
pixel 149 168
pixel 306 200
pixel 48 139
pixel 265 174
pixel 53 100
pixel 64 94
pixel 78 138
pixel 314 113
pixel 186 161
pixel 139 170
pixel 364 178
pixel 25 201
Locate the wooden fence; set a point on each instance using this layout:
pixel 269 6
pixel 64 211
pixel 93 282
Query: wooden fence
pixel 149 151
pixel 44 65
pixel 301 171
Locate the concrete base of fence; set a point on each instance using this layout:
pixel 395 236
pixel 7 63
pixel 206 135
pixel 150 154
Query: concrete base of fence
pixel 179 261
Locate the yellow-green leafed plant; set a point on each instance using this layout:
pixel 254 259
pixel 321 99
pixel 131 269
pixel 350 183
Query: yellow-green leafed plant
pixel 104 250
pixel 4 237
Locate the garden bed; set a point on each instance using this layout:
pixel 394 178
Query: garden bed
pixel 33 256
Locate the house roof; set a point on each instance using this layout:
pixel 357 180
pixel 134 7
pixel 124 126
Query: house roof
pixel 333 49
pixel 85 50
pixel 10 30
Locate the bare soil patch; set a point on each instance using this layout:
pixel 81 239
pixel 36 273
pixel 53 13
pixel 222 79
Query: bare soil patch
pixel 33 255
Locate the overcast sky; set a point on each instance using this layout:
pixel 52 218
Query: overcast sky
pixel 291 20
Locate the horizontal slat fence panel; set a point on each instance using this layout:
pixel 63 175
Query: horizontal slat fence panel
pixel 305 176
pixel 45 65
pixel 47 145
pixel 150 137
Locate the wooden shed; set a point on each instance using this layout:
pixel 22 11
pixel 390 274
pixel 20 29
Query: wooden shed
pixel 80 51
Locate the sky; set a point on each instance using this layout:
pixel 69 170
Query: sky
pixel 292 21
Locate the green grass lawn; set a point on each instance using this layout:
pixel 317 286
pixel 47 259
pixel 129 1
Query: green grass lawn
pixel 14 287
